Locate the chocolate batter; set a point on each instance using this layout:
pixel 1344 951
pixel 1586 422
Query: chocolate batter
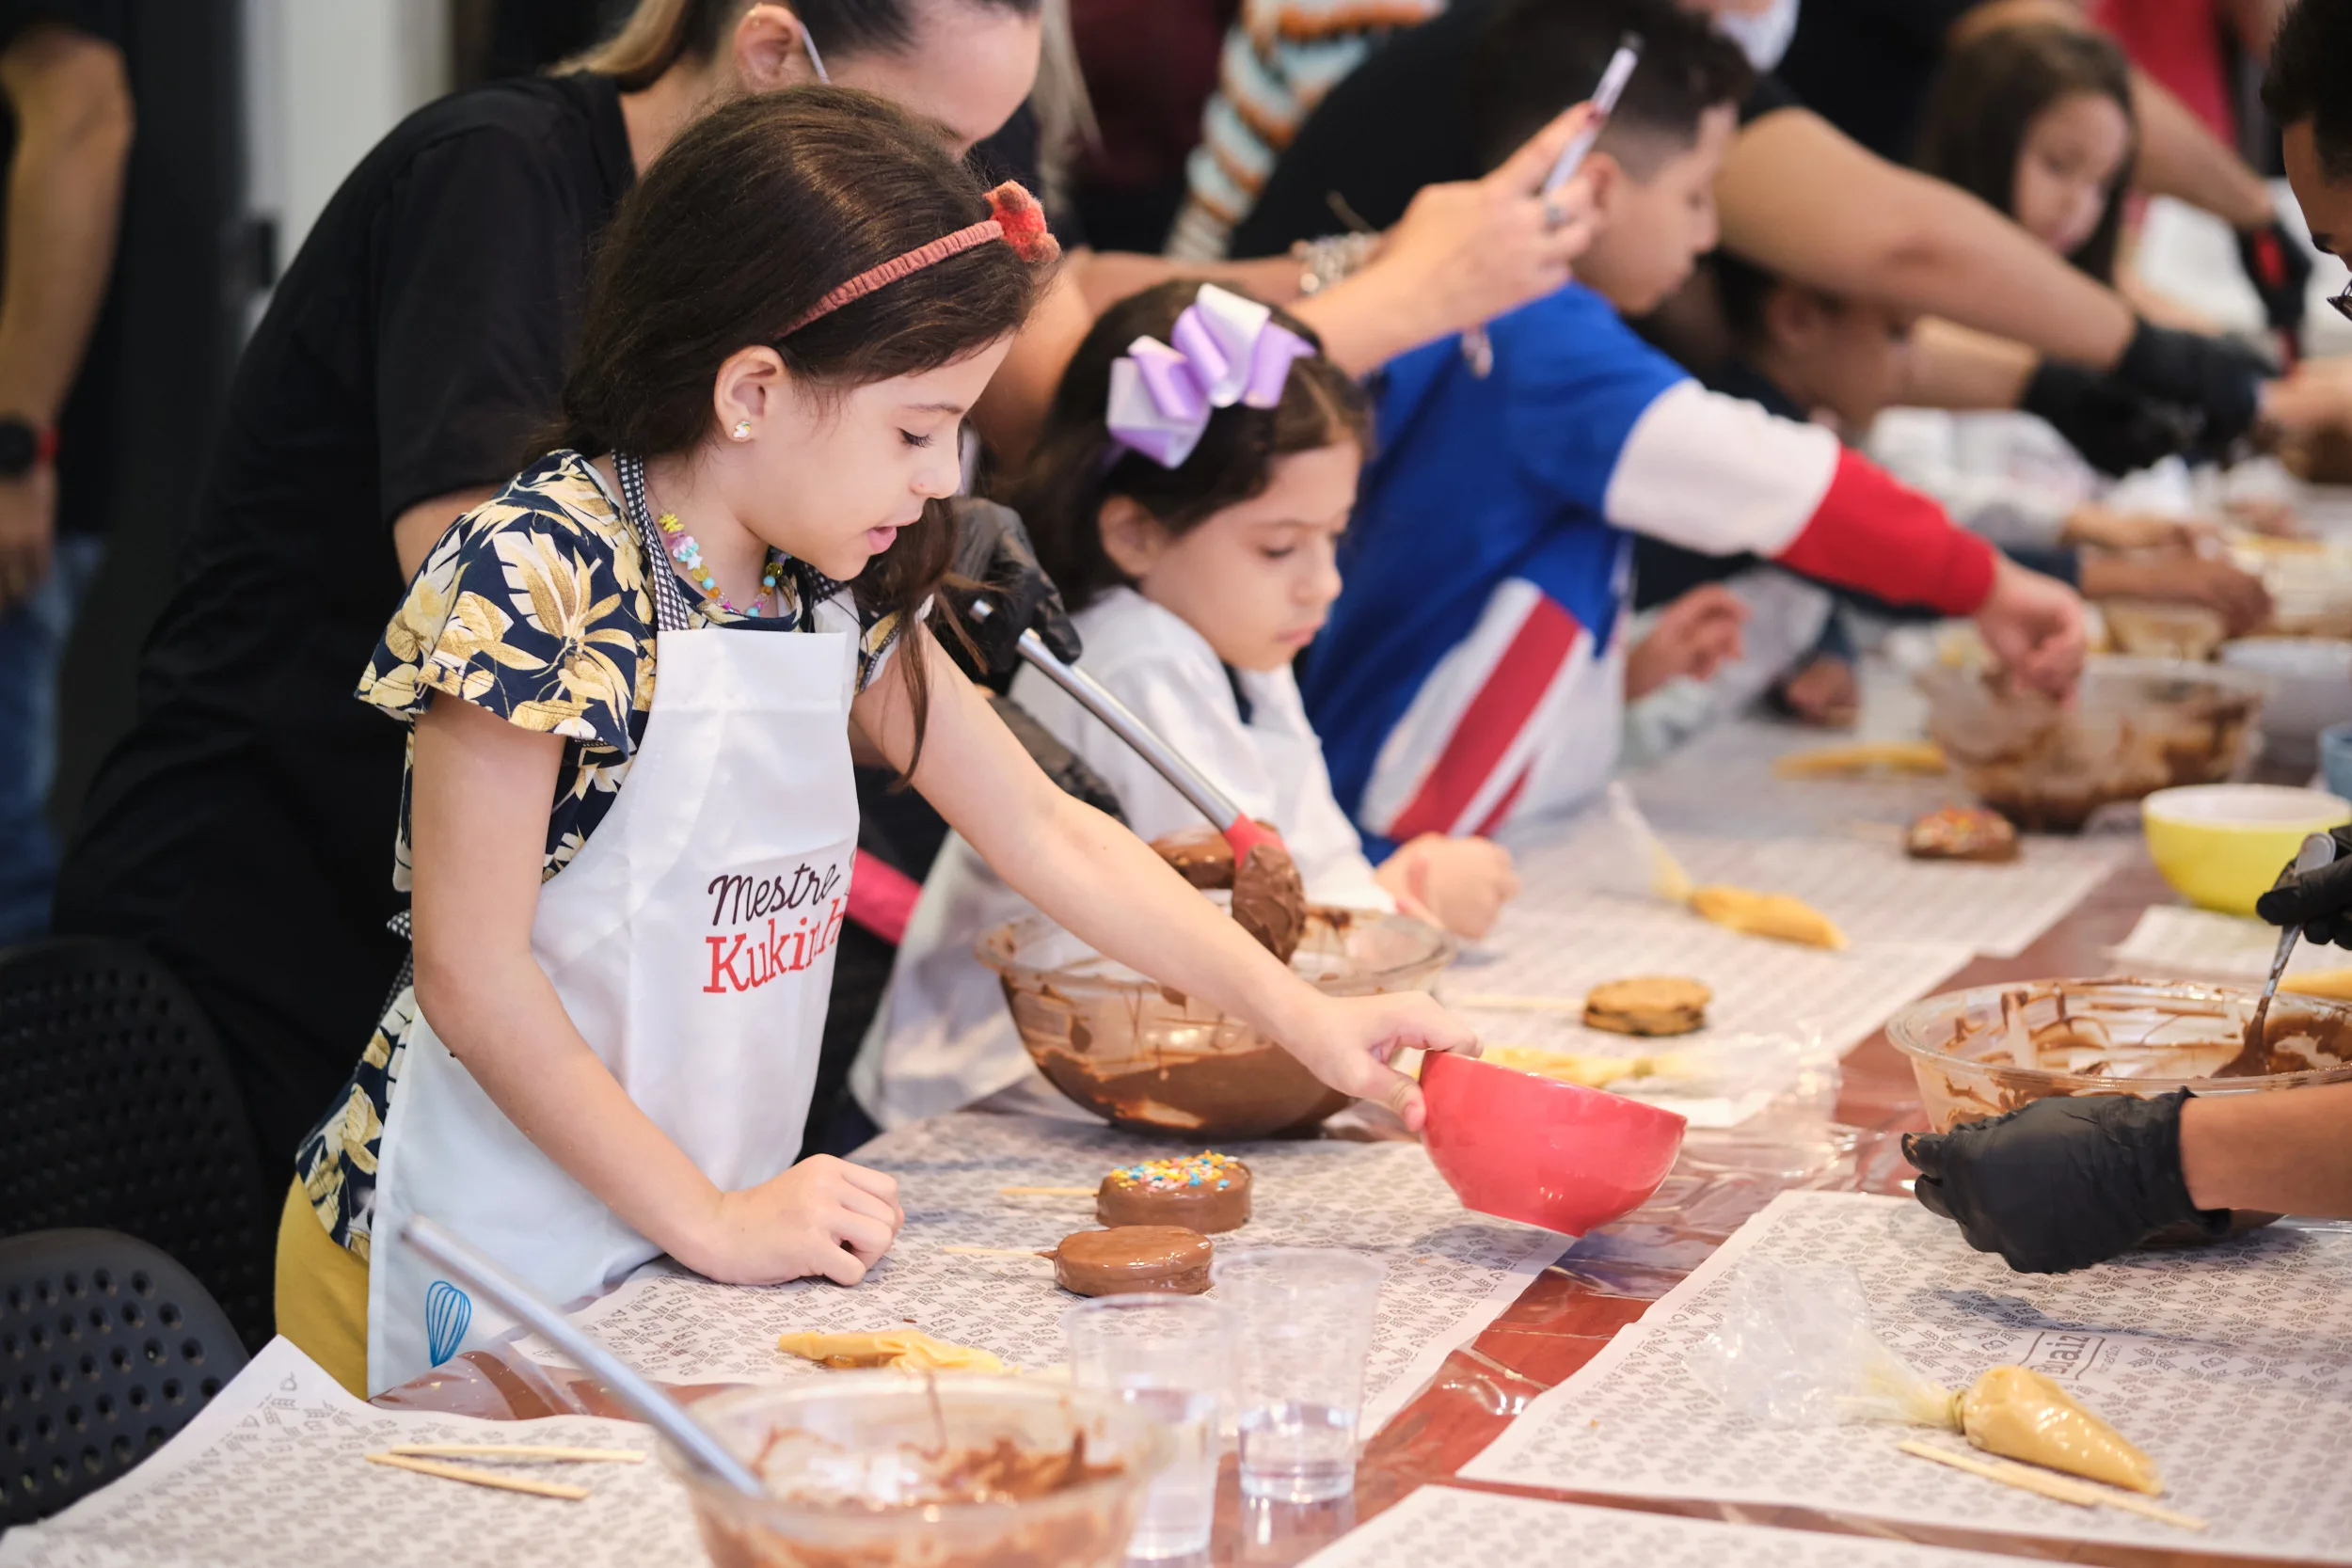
pixel 1164 1260
pixel 1208 1193
pixel 1200 855
pixel 1240 1094
pixel 1269 898
pixel 999 1475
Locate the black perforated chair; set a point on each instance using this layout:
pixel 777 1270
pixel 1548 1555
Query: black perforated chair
pixel 118 1111
pixel 107 1348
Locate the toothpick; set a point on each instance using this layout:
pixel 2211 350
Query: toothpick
pixel 1045 1191
pixel 480 1477
pixel 1493 1002
pixel 507 1450
pixel 2082 1493
pixel 995 1252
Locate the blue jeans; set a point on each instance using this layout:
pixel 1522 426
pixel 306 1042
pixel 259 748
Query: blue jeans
pixel 32 646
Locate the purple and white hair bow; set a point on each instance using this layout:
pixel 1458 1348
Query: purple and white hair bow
pixel 1227 350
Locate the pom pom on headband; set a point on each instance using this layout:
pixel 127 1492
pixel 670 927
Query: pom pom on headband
pixel 1227 350
pixel 1015 218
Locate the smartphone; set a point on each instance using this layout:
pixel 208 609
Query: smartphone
pixel 1613 80
pixel 1477 349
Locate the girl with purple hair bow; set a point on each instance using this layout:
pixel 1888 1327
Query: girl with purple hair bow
pixel 1189 495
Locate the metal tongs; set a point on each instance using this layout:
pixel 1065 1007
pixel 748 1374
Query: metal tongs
pixel 2253 1057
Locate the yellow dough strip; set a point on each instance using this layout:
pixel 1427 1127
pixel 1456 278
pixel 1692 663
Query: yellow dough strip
pixel 2082 1493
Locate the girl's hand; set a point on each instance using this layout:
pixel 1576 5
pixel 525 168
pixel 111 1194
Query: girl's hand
pixel 2034 625
pixel 2238 598
pixel 1348 1043
pixel 1459 883
pixel 823 1216
pixel 1695 636
pixel 1824 694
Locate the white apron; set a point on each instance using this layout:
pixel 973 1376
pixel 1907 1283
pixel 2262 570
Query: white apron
pixel 691 941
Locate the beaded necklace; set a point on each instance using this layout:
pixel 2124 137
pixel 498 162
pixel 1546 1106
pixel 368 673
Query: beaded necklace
pixel 688 556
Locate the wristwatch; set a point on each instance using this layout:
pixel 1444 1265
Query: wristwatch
pixel 24 445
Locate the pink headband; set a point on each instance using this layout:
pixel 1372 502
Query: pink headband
pixel 1015 217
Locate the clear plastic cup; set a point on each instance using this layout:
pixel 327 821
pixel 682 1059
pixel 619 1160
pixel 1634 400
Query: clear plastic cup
pixel 1304 1322
pixel 1168 1356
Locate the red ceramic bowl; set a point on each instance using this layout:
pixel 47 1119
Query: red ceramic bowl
pixel 1534 1149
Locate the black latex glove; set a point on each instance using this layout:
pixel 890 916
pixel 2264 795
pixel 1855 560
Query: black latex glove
pixel 2218 378
pixel 2319 901
pixel 993 552
pixel 2117 427
pixel 1063 765
pixel 2061 1184
pixel 2276 264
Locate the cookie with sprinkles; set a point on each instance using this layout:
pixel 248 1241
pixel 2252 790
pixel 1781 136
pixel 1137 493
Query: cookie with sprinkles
pixel 1208 1193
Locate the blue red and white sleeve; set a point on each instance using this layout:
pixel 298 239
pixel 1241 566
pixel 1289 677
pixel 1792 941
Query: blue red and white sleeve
pixel 1721 475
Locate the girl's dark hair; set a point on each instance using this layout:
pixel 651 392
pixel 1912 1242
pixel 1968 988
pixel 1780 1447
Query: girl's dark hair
pixel 744 222
pixel 660 33
pixel 1076 465
pixel 1986 97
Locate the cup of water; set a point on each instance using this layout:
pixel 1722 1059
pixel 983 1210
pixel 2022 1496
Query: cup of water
pixel 1169 1356
pixel 1304 1320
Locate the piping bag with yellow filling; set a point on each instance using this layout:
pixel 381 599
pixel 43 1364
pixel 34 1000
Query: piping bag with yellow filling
pixel 1796 1348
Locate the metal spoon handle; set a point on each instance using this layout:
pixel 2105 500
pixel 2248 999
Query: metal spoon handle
pixel 2318 849
pixel 1089 694
pixel 642 1399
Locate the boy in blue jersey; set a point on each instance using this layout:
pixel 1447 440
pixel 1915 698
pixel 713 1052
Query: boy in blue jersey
pixel 1471 677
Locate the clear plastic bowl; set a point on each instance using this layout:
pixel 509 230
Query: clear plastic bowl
pixel 851 1457
pixel 2105 1036
pixel 2138 725
pixel 1143 1055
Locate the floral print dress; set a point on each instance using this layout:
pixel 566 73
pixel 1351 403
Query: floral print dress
pixel 535 605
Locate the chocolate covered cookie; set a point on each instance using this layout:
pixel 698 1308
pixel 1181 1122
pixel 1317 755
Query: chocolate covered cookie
pixel 1162 1259
pixel 1208 1193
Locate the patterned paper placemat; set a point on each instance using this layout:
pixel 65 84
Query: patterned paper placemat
pixel 1447 1524
pixel 2231 1365
pixel 271 1476
pixel 1450 1273
pixel 1862 879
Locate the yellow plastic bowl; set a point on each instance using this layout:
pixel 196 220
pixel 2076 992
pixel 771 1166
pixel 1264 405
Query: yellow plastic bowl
pixel 2222 845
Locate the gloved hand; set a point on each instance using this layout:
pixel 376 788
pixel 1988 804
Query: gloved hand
pixel 2219 378
pixel 1063 765
pixel 2118 428
pixel 995 566
pixel 2276 264
pixel 2319 901
pixel 2061 1184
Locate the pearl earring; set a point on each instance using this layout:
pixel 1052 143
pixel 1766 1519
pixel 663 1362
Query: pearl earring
pixel 742 431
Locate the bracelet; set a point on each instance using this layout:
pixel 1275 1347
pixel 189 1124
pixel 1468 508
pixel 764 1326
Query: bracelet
pixel 1331 260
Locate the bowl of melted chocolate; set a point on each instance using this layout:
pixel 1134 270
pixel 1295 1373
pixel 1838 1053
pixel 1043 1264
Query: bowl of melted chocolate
pixel 1143 1055
pixel 2135 726
pixel 884 1471
pixel 1981 1052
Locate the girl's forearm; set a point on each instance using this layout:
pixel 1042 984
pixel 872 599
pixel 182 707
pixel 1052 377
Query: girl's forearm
pixel 502 1019
pixel 2283 1153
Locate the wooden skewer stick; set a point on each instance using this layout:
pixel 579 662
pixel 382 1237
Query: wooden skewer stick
pixel 480 1477
pixel 1045 1191
pixel 2082 1493
pixel 506 1450
pixel 1493 1002
pixel 995 1252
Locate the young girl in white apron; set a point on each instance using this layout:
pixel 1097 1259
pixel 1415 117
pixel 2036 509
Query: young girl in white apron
pixel 669 628
pixel 1191 518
